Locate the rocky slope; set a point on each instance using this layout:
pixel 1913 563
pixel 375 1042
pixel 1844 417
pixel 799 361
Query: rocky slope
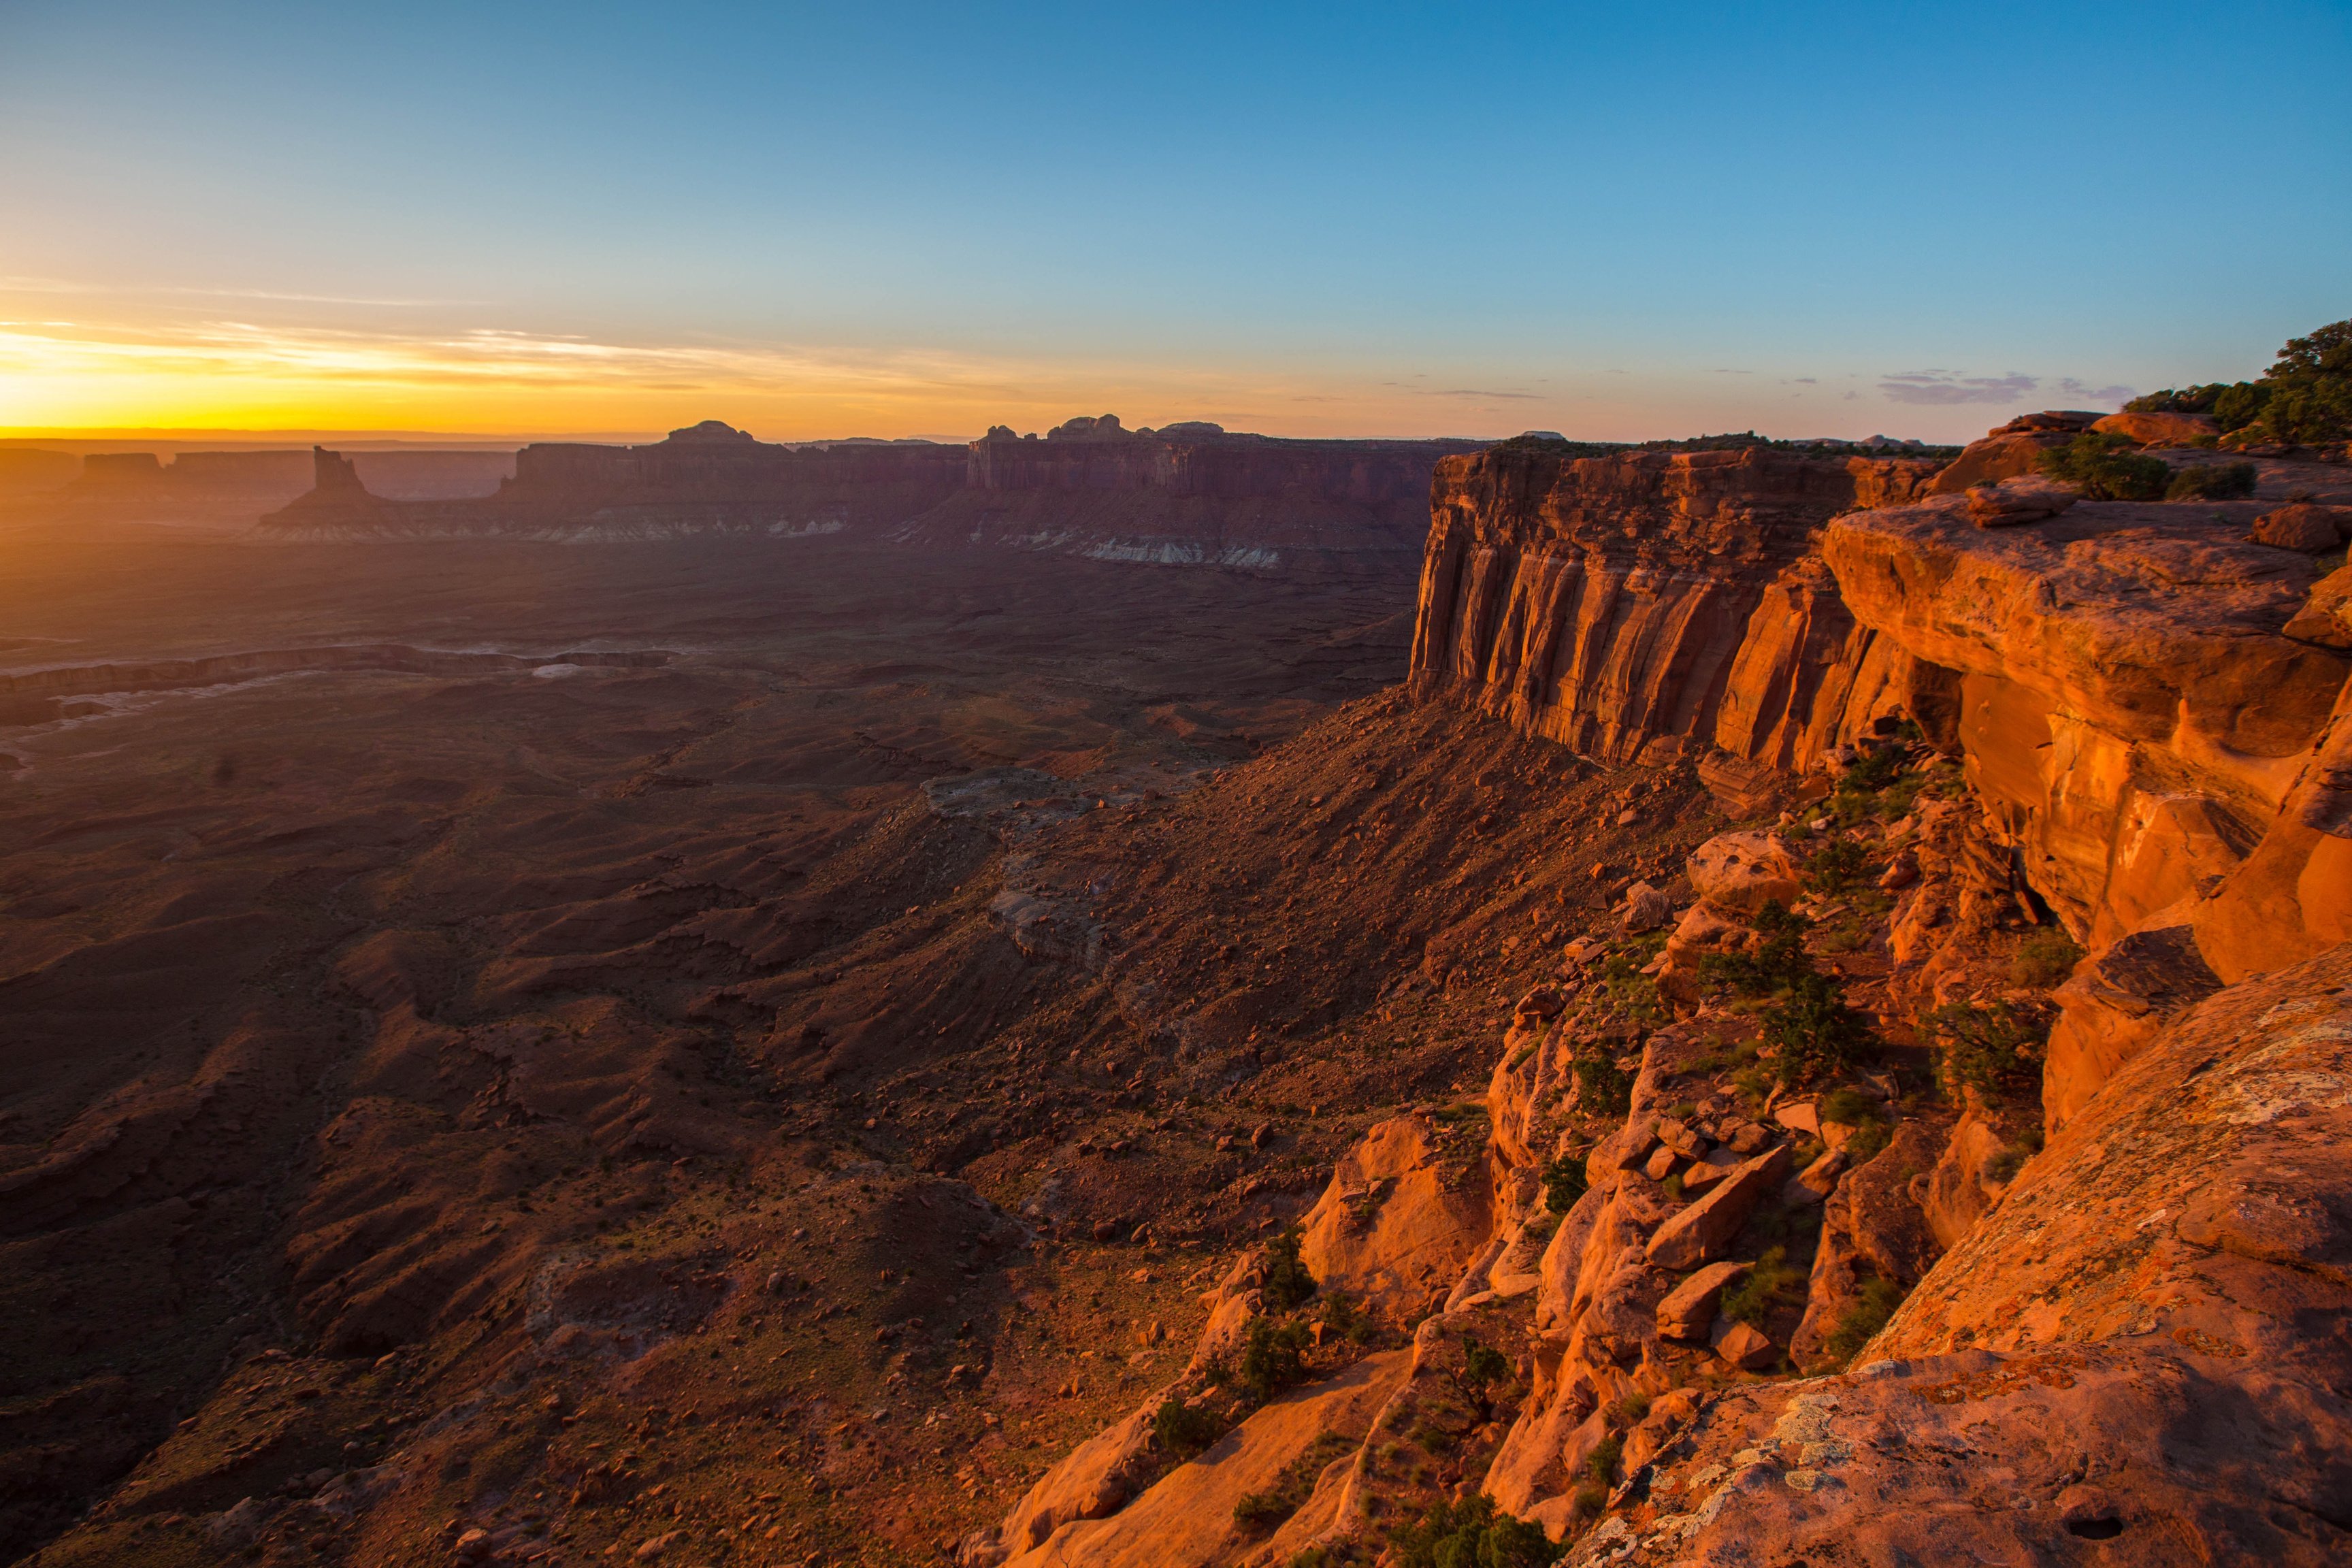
pixel 1793 1238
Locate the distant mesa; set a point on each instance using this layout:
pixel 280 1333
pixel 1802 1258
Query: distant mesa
pixel 713 431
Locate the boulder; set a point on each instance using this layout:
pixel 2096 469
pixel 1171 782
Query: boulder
pixel 2008 506
pixel 1399 1220
pixel 2325 618
pixel 2315 529
pixel 1689 1310
pixel 1871 1228
pixel 1745 1347
pixel 1681 1138
pixel 1821 1177
pixel 2158 430
pixel 1740 873
pixel 2111 1008
pixel 1646 908
pixel 1702 1232
pixel 1661 1163
pixel 1799 1115
pixel 2004 455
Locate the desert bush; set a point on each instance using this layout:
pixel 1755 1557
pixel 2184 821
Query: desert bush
pixel 1632 1407
pixel 1185 1429
pixel 2214 481
pixel 1633 995
pixel 1344 1319
pixel 1990 1049
pixel 1602 1463
pixel 1287 1282
pixel 2044 958
pixel 1273 1359
pixel 1603 1087
pixel 2178 400
pixel 1836 866
pixel 1564 1182
pixel 1773 1284
pixel 2310 387
pixel 1778 961
pixel 1815 1033
pixel 1293 1487
pixel 1472 1533
pixel 1864 1318
pixel 2240 404
pixel 2104 469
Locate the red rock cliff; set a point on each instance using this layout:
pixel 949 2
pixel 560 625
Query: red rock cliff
pixel 1651 599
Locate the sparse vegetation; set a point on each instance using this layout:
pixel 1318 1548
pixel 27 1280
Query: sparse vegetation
pixel 1814 1033
pixel 1773 1284
pixel 1860 1322
pixel 1472 1533
pixel 1267 1510
pixel 1988 1048
pixel 1602 1463
pixel 1836 865
pixel 1564 1182
pixel 1183 1429
pixel 2104 468
pixel 1273 1357
pixel 1602 1088
pixel 1287 1282
pixel 2212 481
pixel 2045 957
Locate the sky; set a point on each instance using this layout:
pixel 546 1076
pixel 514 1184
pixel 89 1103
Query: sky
pixel 1616 222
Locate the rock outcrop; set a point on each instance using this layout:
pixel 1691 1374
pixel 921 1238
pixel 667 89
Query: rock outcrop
pixel 1656 601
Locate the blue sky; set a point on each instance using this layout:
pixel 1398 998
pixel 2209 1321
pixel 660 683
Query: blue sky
pixel 1381 220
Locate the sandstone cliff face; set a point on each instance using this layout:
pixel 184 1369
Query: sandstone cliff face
pixel 1673 597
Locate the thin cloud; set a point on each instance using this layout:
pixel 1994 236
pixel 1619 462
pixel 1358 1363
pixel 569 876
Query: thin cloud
pixel 1942 387
pixel 2082 392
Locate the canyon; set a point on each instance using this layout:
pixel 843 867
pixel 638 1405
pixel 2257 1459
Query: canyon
pixel 1787 1005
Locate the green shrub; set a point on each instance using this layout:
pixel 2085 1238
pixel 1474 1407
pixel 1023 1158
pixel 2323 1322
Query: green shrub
pixel 2310 387
pixel 1564 1182
pixel 1779 962
pixel 1848 1107
pixel 2044 958
pixel 1472 1533
pixel 1602 1463
pixel 1183 1430
pixel 1816 1033
pixel 1287 1282
pixel 1273 1359
pixel 1344 1319
pixel 1632 1407
pixel 1988 1048
pixel 1864 1318
pixel 1836 866
pixel 1603 1087
pixel 1632 994
pixel 2180 400
pixel 1293 1487
pixel 2214 481
pixel 2241 403
pixel 1763 1290
pixel 2104 469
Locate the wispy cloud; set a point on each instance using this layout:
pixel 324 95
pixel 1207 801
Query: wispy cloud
pixel 1943 386
pixel 20 285
pixel 2082 392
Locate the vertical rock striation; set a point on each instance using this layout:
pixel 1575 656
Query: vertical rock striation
pixel 1652 600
